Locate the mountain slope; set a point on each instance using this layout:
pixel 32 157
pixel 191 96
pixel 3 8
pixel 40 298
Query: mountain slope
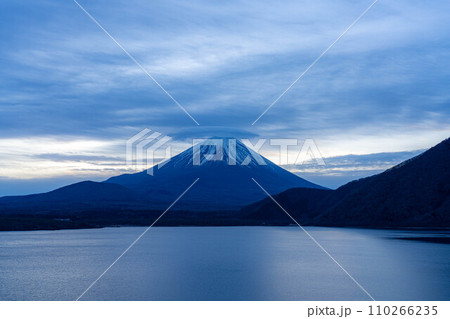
pixel 413 193
pixel 303 204
pixel 220 185
pixel 88 194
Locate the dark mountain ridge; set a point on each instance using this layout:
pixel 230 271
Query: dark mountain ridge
pixel 415 193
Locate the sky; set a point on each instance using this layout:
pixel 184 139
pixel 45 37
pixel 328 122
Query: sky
pixel 70 97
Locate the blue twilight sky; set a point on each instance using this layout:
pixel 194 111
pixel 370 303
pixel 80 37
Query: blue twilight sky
pixel 70 97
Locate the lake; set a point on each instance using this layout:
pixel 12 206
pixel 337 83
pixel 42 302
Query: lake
pixel 224 263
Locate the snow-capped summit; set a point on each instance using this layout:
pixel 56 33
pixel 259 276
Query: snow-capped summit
pixel 218 151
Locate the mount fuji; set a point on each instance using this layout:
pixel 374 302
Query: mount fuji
pixel 225 171
pixel 224 186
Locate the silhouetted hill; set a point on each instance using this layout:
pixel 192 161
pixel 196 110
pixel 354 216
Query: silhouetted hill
pixel 415 193
pixel 83 194
pixel 302 203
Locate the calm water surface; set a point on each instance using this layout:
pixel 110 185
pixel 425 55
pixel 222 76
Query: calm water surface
pixel 223 263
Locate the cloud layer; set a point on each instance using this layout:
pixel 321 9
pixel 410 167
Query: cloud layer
pixel 382 88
